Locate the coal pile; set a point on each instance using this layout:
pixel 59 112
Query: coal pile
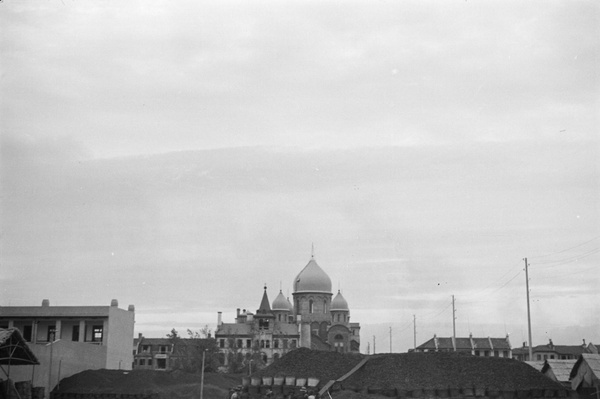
pixel 306 363
pixel 159 384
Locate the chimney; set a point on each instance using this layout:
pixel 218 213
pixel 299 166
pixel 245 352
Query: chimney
pixel 114 303
pixel 131 308
pixel 550 344
pixel 583 342
pixel 139 335
pixel 219 318
pixel 46 302
pixel 238 312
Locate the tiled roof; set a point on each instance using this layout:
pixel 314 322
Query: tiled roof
pixel 234 329
pixel 463 343
pixel 53 311
pixel 536 364
pixel 430 344
pixel 482 343
pixel 560 368
pixel 445 343
pixel 446 370
pixel 592 360
pixel 500 344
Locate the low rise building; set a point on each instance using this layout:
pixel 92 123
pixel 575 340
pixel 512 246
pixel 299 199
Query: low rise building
pixel 493 347
pixel 552 351
pixel 70 339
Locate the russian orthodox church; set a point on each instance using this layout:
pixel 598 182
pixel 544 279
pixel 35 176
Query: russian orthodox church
pixel 315 320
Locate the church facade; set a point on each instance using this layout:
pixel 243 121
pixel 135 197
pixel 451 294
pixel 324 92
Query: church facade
pixel 314 319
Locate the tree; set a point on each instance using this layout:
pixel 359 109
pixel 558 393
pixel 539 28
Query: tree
pixel 188 352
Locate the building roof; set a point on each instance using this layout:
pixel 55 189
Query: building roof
pixel 312 279
pixel 234 329
pixel 339 303
pixel 265 306
pixel 593 362
pixel 560 368
pixel 281 303
pixel 14 349
pixel 451 370
pixel 464 343
pixel 536 364
pixel 53 311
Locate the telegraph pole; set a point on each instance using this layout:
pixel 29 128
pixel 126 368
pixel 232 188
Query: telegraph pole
pixel 373 344
pixel 390 339
pixel 453 320
pixel 415 331
pixel 528 309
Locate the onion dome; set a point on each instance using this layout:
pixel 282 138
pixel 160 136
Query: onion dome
pixel 339 303
pixel 280 303
pixel 312 279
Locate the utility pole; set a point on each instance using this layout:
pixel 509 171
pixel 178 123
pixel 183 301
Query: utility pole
pixel 390 339
pixel 415 331
pixel 528 309
pixel 373 344
pixel 453 321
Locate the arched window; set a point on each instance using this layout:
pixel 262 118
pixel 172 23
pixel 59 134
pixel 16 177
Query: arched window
pixel 325 306
pixel 310 306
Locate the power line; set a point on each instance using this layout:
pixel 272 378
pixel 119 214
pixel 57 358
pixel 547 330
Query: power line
pixel 564 250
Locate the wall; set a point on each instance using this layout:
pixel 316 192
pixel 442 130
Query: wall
pixel 119 338
pixel 70 357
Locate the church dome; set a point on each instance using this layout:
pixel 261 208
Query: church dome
pixel 280 303
pixel 339 303
pixel 312 279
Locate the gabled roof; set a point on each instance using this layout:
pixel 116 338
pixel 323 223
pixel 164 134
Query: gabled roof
pixel 536 364
pixel 14 349
pixel 593 362
pixel 464 343
pixel 560 368
pixel 482 343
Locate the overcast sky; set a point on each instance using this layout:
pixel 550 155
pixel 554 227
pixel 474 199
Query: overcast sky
pixel 179 155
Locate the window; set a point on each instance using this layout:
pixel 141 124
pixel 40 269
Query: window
pixel 496 353
pixel 97 332
pixel 221 343
pixel 51 333
pixel 325 306
pixel 163 349
pixel 539 357
pixel 505 353
pixel 551 356
pixel 276 343
pixel 239 343
pixel 486 353
pixel 293 343
pixel 267 343
pixel 263 324
pixel 149 362
pixel 75 334
pixel 145 348
pixel 310 306
pixel 248 343
pixel 142 362
pixel 27 332
pixel 161 364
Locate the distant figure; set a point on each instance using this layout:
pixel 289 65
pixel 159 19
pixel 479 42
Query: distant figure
pixel 236 394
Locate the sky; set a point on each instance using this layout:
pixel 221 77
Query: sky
pixel 179 156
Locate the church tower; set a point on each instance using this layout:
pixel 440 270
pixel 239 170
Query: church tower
pixel 312 299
